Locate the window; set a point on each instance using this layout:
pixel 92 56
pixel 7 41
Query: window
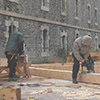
pixel 89 14
pixel 76 9
pixel 76 34
pixel 96 42
pixel 15 1
pixel 63 7
pixel 89 34
pixel 45 5
pixel 9 28
pixel 96 16
pixel 45 40
pixel 63 40
pixel 45 47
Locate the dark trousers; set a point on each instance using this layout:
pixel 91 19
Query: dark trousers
pixel 11 64
pixel 76 65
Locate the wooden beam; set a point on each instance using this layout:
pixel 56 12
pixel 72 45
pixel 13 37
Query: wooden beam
pixel 66 75
pixel 53 66
pixel 3 62
pixel 13 93
pixel 67 67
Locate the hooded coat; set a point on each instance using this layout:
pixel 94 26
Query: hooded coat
pixel 82 46
pixel 14 43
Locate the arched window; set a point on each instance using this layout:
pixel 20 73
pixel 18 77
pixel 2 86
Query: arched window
pixel 76 8
pixel 11 29
pixel 44 40
pixel 96 42
pixel 45 5
pixel 89 34
pixel 63 40
pixel 77 34
pixel 15 1
pixel 96 16
pixel 63 7
pixel 89 13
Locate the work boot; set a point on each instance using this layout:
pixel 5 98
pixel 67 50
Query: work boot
pixel 75 81
pixel 14 78
pixel 91 71
pixel 10 79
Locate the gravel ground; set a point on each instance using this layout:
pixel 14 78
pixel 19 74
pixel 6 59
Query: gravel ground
pixel 55 89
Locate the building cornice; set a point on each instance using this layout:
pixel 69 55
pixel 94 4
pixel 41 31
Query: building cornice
pixel 27 17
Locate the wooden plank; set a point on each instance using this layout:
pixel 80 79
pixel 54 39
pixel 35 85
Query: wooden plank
pixel 20 72
pixel 4 71
pixel 4 74
pixel 95 53
pixel 3 61
pixel 3 66
pixel 23 62
pixel 21 68
pixel 69 59
pixel 13 93
pixel 63 67
pixel 26 68
pixel 66 75
pixel 4 78
pixel 53 66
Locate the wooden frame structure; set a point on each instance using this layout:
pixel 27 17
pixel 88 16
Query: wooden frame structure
pixel 21 68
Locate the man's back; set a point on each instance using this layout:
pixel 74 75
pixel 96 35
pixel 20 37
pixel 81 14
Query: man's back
pixel 82 45
pixel 13 41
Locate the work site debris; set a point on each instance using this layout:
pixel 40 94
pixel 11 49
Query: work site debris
pixel 69 99
pixel 49 90
pixel 31 98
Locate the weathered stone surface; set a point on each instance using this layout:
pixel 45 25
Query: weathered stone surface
pixel 32 28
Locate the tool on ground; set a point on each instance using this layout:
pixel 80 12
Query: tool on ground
pixel 31 98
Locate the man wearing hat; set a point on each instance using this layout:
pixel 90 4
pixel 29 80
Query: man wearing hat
pixel 80 54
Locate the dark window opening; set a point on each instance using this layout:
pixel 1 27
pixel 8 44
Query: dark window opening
pixel 76 8
pixel 63 5
pixel 11 29
pixel 77 35
pixel 88 12
pixel 44 3
pixel 63 42
pixel 44 40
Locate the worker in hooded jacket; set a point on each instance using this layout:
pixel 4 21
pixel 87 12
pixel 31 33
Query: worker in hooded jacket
pixel 14 48
pixel 81 48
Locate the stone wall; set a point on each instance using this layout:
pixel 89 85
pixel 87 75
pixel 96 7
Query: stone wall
pixel 30 17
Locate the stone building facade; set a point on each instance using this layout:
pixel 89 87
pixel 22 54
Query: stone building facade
pixel 50 26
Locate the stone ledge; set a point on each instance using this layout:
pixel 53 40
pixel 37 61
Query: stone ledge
pixel 12 14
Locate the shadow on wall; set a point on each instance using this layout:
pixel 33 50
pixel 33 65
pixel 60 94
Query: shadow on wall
pixel 60 57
